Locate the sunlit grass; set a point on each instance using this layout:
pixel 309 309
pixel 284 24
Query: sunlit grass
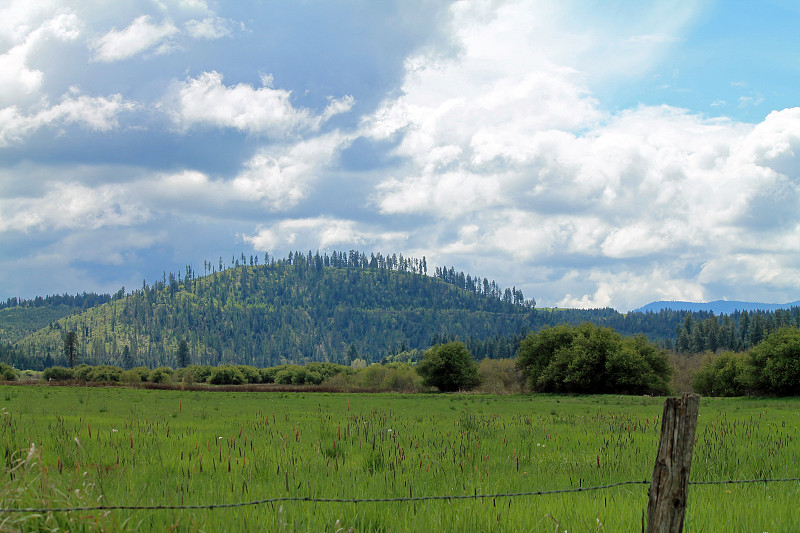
pixel 114 446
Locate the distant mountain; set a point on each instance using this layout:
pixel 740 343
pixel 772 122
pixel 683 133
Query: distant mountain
pixel 718 306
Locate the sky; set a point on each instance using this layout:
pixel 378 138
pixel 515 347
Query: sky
pixel 590 153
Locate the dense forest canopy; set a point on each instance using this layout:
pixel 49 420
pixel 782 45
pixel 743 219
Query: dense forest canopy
pixel 326 307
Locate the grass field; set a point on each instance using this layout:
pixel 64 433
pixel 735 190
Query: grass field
pixel 87 446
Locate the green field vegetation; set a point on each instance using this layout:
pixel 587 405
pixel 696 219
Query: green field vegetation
pixel 84 446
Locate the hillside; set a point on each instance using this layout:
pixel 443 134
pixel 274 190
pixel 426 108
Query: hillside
pixel 295 310
pixel 320 308
pixel 21 318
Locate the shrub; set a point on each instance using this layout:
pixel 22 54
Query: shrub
pixel 592 359
pixel 226 375
pixel 268 374
pixel 500 376
pixel 250 373
pixel 130 376
pixel 327 370
pixel 82 372
pixel 284 377
pixel 161 374
pixel 341 381
pixel 195 373
pixel 105 373
pixel 449 367
pixel 724 375
pixel 299 375
pixel 372 376
pixel 401 377
pixel 7 373
pixel 143 371
pixel 313 377
pixel 776 363
pixel 58 373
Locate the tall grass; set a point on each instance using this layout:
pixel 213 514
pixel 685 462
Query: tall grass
pixel 82 446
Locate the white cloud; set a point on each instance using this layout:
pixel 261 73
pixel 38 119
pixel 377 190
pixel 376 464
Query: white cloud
pixel 20 80
pixel 625 290
pixel 141 35
pixel 282 178
pixel 96 113
pixel 505 138
pixel 278 178
pixel 264 110
pixel 71 206
pixel 337 107
pixel 208 28
pixel 323 231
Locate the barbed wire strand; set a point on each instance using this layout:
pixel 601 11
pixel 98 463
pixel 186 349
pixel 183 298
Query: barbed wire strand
pixel 310 499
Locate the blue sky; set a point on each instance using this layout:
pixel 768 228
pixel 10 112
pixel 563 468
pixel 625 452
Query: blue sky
pixel 591 153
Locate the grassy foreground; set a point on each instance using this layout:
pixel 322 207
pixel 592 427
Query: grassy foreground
pixel 68 446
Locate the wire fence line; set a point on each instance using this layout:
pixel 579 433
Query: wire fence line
pixel 309 499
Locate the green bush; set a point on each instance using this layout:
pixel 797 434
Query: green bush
pixel 7 373
pixel 327 370
pixel 401 377
pixel 105 373
pixel 776 363
pixel 250 373
pixel 143 371
pixel 130 376
pixel 160 375
pixel 195 373
pixel 285 376
pixel 226 375
pixel 82 372
pixel 313 377
pixel 590 359
pixel 726 374
pixel 58 373
pixel 268 374
pixel 449 367
pixel 372 377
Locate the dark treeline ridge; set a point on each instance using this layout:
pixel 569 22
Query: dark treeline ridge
pixel 81 301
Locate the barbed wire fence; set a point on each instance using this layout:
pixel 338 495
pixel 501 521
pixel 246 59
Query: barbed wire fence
pixel 405 499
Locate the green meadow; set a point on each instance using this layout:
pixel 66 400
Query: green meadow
pixel 89 446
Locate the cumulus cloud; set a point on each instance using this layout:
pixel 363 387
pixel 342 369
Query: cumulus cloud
pixel 281 178
pixel 277 177
pixel 514 144
pixel 96 113
pixel 325 231
pixel 140 36
pixel 71 206
pixel 20 80
pixel 206 100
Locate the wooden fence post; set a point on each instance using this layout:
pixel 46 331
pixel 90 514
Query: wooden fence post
pixel 668 490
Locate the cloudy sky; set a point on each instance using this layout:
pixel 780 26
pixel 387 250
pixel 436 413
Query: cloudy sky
pixel 592 153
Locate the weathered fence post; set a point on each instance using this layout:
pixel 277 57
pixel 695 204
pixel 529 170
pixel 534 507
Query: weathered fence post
pixel 670 484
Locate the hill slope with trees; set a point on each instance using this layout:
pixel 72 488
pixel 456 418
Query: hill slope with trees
pixel 336 308
pixel 304 308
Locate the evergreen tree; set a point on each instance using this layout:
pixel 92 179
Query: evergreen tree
pixel 183 354
pixel 70 347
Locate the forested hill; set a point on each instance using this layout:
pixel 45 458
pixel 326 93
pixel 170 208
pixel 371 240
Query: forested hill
pixel 326 308
pixel 298 309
